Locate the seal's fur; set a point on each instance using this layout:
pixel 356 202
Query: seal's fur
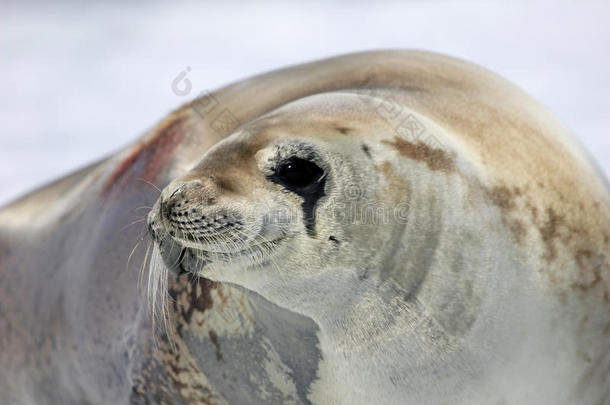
pixel 488 284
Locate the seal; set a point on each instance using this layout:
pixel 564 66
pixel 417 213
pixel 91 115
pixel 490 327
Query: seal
pixel 393 226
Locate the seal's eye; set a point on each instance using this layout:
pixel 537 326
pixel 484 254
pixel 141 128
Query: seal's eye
pixel 299 173
pixel 307 180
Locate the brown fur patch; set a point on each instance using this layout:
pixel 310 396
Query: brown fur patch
pixel 502 196
pixel 184 374
pixel 549 231
pixel 594 270
pixel 343 130
pixel 191 297
pixel 214 340
pixel 434 158
pixel 518 230
pixel 239 176
pixel 558 235
pixel 397 183
pixel 188 297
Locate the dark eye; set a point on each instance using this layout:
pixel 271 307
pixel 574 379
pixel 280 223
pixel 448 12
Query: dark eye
pixel 299 173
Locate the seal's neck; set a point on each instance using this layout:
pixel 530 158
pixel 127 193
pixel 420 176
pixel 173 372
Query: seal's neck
pixel 369 333
pixel 350 305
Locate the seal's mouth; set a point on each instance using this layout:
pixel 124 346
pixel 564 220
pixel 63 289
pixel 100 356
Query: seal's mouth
pixel 251 252
pixel 182 259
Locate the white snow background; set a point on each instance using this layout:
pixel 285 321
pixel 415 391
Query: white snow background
pixel 81 80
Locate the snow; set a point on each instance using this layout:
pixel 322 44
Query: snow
pixel 79 81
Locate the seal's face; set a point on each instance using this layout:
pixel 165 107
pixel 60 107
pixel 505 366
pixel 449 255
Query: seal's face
pixel 266 205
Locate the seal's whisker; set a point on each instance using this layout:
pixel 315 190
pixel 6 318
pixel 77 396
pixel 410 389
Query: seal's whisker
pixel 148 182
pixel 133 250
pixel 157 272
pixel 155 281
pixel 143 266
pixel 137 221
pixel 269 258
pixel 262 246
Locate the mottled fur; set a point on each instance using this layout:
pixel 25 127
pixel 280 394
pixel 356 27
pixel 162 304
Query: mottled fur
pixel 460 253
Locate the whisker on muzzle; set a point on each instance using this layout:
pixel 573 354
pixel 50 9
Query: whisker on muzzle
pixel 158 295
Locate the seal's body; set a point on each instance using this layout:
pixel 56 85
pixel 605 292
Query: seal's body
pixel 392 227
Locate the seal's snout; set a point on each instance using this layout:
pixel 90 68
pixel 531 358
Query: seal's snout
pixel 189 210
pixel 179 195
pixel 185 202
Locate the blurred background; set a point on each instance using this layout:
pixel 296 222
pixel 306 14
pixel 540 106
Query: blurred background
pixel 79 80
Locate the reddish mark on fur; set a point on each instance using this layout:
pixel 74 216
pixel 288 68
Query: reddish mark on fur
pixel 123 167
pixel 159 151
pixel 148 158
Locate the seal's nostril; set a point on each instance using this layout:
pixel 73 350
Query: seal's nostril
pixel 174 192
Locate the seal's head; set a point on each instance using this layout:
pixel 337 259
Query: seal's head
pixel 283 201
